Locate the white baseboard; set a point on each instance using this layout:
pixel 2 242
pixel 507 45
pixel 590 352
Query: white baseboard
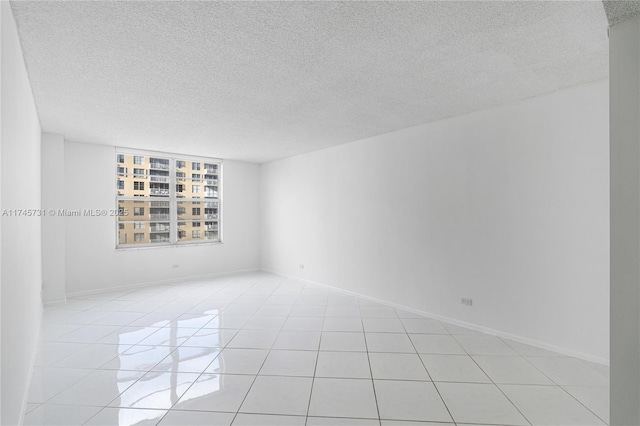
pixel 453 321
pixel 52 303
pixel 160 282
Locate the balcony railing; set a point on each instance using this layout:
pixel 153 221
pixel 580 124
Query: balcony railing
pixel 160 229
pixel 159 216
pixel 159 178
pixel 211 216
pixel 211 182
pixel 160 240
pixel 156 191
pixel 161 166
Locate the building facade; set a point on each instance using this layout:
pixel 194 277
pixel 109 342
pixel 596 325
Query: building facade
pixel 156 192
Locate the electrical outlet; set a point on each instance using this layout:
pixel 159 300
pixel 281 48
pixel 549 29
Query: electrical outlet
pixel 466 301
pixel 301 266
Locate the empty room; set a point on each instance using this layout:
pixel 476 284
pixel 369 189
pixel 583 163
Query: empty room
pixel 316 213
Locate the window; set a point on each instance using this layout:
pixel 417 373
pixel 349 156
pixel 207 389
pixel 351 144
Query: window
pixel 211 212
pixel 164 202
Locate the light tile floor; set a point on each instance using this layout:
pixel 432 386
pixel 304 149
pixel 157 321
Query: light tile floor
pixel 258 349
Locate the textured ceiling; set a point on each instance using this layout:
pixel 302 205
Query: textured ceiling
pixel 258 81
pixel 621 10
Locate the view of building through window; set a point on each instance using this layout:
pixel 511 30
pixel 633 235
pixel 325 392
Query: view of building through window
pixel 160 204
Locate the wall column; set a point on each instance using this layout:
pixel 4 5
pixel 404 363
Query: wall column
pixel 624 59
pixel 53 226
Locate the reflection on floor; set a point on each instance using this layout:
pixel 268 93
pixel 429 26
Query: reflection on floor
pixel 258 349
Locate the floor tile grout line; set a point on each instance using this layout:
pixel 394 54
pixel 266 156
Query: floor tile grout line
pixel 429 374
pixel 493 382
pixel 189 387
pixel 62 390
pixel 373 383
pixel 177 348
pixel 255 284
pixel 315 368
pixel 200 375
pixel 556 384
pixel 93 369
pixel 261 366
pixel 580 402
pixel 526 357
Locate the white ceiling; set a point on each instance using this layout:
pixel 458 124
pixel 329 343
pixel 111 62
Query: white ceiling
pixel 258 81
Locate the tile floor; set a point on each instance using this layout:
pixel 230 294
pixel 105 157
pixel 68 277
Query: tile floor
pixel 258 349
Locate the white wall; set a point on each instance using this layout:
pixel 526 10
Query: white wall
pixel 93 263
pixel 507 206
pixel 21 241
pixel 53 227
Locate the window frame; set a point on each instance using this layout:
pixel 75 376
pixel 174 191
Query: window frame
pixel 172 199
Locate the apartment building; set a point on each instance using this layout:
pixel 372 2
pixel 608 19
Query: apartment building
pixel 154 191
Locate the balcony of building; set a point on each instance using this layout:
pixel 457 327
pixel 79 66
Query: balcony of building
pixel 159 227
pixel 158 216
pixel 155 163
pixel 211 235
pixel 159 239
